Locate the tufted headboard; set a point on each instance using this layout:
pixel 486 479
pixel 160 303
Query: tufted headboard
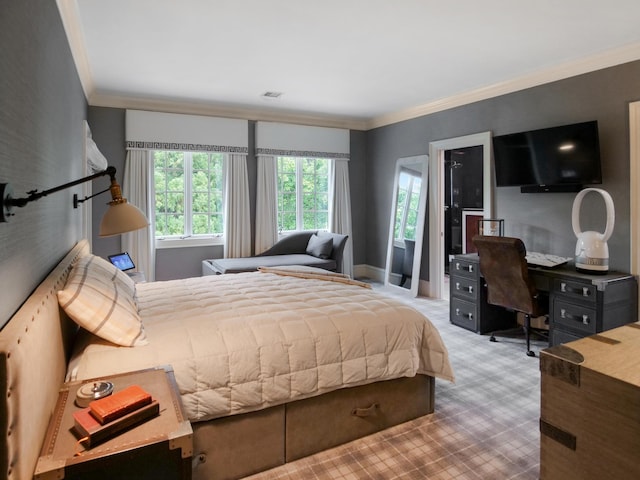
pixel 34 350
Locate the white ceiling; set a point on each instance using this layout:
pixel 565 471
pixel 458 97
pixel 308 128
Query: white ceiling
pixel 351 63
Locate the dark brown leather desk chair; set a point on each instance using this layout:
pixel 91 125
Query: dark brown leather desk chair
pixel 504 268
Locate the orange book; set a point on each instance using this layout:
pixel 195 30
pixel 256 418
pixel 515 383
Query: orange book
pixel 120 403
pixel 92 432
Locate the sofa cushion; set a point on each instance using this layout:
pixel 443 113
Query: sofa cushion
pixel 250 264
pixel 295 242
pixel 339 242
pixel 320 247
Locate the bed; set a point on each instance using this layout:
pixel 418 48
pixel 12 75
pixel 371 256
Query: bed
pixel 287 384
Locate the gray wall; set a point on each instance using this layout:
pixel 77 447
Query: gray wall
pixel 359 185
pixel 107 130
pixel 543 221
pixel 108 127
pixel 42 108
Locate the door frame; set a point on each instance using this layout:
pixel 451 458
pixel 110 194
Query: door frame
pixel 436 200
pixel 634 186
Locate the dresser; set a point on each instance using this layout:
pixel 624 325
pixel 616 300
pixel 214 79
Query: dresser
pixel 590 407
pixel 579 304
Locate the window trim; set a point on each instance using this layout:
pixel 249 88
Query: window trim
pixel 300 193
pixel 199 240
pixel 182 242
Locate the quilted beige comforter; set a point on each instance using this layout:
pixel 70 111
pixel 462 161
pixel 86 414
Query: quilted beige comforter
pixel 247 341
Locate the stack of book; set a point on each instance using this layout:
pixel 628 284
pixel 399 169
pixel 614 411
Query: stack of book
pixel 111 415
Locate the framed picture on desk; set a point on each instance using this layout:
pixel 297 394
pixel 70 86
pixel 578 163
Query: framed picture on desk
pixel 491 226
pixel 470 221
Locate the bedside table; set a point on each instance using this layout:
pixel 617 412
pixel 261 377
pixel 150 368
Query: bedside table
pixel 159 448
pixel 137 277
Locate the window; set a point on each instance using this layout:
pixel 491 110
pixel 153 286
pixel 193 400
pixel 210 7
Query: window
pixel 407 206
pixel 189 196
pixel 303 193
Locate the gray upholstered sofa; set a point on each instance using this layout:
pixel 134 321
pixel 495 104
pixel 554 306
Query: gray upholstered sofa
pixel 309 248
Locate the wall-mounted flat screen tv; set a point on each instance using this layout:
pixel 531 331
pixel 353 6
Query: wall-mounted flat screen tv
pixel 550 159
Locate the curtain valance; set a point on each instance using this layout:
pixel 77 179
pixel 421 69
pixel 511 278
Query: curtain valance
pixel 281 139
pixel 174 131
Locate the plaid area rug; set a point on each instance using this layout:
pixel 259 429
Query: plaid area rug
pixel 485 426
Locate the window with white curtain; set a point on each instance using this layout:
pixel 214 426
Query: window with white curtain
pixel 189 196
pixel 407 207
pixel 303 193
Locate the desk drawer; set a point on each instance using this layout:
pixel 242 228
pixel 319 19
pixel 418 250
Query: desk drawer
pixel 464 267
pixel 464 287
pixel 464 314
pixel 560 336
pixel 582 292
pixel 575 317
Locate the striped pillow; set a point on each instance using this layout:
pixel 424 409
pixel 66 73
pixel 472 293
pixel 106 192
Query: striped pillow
pixel 100 265
pixel 101 302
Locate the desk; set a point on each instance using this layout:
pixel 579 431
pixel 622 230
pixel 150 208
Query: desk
pixel 579 304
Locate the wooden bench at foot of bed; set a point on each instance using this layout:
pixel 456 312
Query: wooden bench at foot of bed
pixel 241 445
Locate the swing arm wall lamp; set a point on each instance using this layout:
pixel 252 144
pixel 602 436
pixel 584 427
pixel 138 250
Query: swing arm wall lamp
pixel 121 216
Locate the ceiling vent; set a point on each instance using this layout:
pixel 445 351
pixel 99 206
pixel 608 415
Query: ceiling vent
pixel 271 95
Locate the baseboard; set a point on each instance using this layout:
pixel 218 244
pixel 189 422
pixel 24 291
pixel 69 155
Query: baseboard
pixel 376 274
pixel 424 288
pixel 368 271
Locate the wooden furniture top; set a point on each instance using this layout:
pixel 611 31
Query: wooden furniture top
pixel 614 353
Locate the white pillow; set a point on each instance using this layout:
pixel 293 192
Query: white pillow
pixel 101 301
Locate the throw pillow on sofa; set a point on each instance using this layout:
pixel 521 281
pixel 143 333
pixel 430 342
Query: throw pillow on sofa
pixel 320 247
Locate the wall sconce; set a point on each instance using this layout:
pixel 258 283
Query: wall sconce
pixel 121 217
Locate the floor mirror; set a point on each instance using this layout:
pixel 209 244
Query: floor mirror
pixel 406 225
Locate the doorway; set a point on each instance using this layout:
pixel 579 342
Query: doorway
pixel 436 204
pixel 463 199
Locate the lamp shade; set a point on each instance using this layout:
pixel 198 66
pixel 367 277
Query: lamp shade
pixel 121 217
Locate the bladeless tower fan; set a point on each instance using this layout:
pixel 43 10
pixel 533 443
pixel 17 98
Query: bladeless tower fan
pixel 592 251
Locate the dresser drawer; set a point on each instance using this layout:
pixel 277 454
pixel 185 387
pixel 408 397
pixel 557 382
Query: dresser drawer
pixel 577 318
pixel 463 314
pixel 464 287
pixel 464 267
pixel 582 292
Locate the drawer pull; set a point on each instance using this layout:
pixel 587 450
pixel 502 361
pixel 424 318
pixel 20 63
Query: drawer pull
pixel 584 291
pixel 365 412
pixel 578 318
pixel 468 268
pixel 468 315
pixel 469 288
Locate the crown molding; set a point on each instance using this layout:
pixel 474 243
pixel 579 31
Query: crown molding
pixel 602 60
pixel 70 17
